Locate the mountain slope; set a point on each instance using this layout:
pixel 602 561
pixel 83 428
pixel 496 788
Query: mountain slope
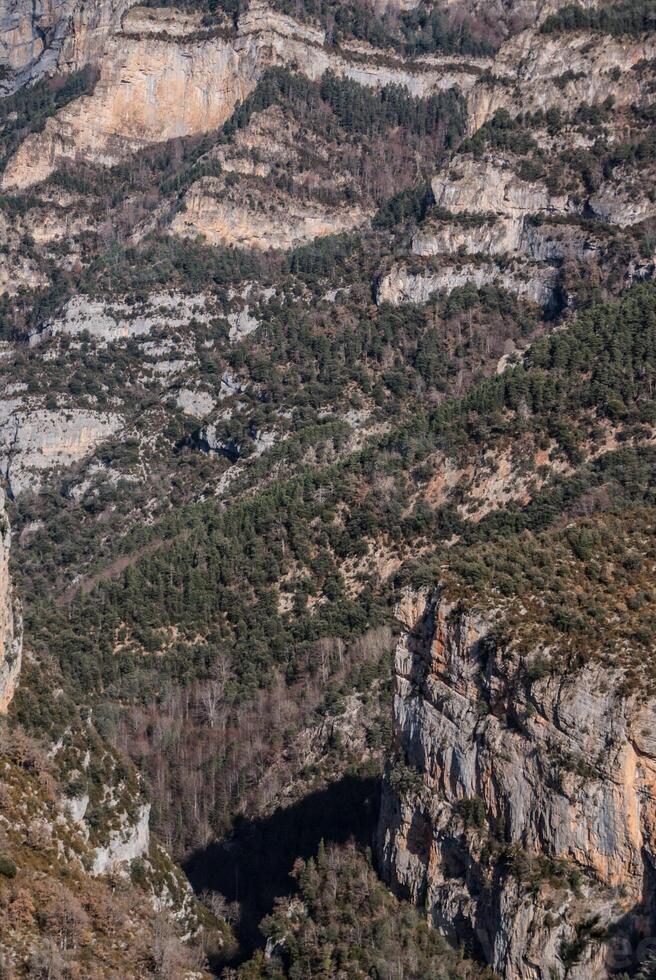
pixel 309 311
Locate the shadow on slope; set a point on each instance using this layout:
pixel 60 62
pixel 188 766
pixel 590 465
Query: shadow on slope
pixel 253 866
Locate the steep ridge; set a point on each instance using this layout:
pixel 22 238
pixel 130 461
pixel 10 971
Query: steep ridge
pixel 74 826
pixel 11 640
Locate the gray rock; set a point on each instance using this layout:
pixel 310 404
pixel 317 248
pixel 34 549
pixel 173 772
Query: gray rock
pixel 401 285
pixel 11 624
pixel 118 321
pixel 34 442
pixel 124 845
pixel 495 774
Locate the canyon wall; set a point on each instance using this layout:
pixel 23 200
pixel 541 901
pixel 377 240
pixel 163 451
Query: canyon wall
pixel 10 619
pixel 54 35
pixel 519 808
pixel 560 70
pixel 163 77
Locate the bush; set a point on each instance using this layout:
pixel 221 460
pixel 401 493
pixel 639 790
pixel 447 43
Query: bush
pixel 8 868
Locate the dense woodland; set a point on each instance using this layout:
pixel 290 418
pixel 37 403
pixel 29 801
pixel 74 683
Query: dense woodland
pixel 625 17
pixel 204 608
pixel 344 922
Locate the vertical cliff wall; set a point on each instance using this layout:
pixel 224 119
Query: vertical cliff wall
pixel 52 35
pixel 519 809
pixel 10 619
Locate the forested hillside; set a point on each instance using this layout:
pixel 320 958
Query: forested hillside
pixel 327 408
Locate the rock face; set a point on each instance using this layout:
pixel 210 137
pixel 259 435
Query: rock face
pixel 490 186
pixel 32 443
pixel 11 636
pixel 195 402
pixel 522 234
pixel 116 321
pixel 124 845
pixel 53 35
pixel 402 285
pixel 158 83
pixel 536 63
pixel 484 209
pixel 273 225
pixel 542 242
pixel 619 204
pixel 111 816
pixel 146 93
pixel 509 781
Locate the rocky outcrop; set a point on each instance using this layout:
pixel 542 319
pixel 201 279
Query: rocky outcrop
pixel 147 92
pixel 403 285
pixel 279 222
pixel 111 814
pixel 11 635
pixel 519 809
pixel 490 186
pixel 620 203
pixel 483 208
pixel 242 324
pixel 536 71
pixel 52 35
pixel 110 322
pixel 486 209
pixel 155 85
pixel 544 242
pixel 22 39
pixel 33 442
pixel 125 844
pixel 490 235
pixel 537 241
pixel 195 402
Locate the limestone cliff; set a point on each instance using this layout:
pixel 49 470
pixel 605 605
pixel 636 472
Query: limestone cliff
pixel 52 35
pixel 404 285
pixel 10 620
pixel 490 186
pixel 163 78
pixel 519 810
pixel 278 222
pixel 559 70
pixel 125 844
pixel 527 231
pixel 32 443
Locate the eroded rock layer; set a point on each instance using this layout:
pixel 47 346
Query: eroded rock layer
pixel 519 810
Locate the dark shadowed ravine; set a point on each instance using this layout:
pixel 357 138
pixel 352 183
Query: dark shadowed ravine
pixel 253 866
